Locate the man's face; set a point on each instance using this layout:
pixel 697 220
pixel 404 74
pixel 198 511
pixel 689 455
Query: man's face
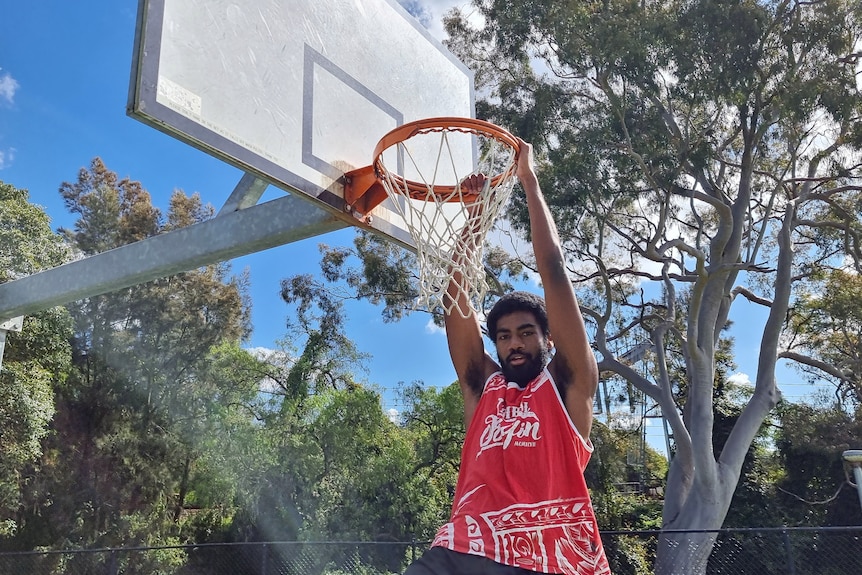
pixel 522 348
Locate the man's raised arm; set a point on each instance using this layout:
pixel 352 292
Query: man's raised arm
pixel 464 335
pixel 574 365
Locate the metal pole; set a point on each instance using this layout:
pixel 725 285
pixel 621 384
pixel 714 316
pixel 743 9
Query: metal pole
pixel 857 474
pixel 854 458
pixel 2 346
pixel 788 548
pixel 112 562
pixel 14 324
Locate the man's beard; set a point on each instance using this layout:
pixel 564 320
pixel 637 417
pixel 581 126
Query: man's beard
pixel 527 371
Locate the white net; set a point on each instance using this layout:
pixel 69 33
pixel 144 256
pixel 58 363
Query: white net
pixel 422 176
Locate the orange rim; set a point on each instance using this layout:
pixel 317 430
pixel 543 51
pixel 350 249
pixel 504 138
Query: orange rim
pixel 419 190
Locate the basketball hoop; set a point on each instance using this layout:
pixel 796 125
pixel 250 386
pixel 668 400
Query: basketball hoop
pixel 420 167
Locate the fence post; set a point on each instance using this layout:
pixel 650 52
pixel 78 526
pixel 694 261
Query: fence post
pixel 788 548
pixel 112 563
pixel 264 559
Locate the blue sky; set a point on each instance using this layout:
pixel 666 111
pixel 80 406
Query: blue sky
pixel 64 80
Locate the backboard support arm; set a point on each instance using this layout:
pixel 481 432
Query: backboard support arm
pixel 230 235
pixel 363 192
pixel 246 194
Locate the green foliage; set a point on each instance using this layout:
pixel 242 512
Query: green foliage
pixel 144 389
pixel 810 441
pixel 26 408
pixel 350 473
pixel 794 477
pixel 436 419
pixel 113 211
pixel 793 474
pixel 381 273
pixel 629 556
pixel 753 500
pixel 27 244
pixel 669 132
pixel 827 327
pixel 386 275
pixel 329 359
pixel 35 359
pixel 625 479
pixel 434 426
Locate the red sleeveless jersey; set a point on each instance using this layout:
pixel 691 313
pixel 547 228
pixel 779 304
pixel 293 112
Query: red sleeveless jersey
pixel 521 498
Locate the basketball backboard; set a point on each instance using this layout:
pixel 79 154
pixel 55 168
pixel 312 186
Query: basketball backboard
pixel 294 92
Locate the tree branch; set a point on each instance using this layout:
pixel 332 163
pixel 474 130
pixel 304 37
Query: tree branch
pixel 751 296
pixel 815 363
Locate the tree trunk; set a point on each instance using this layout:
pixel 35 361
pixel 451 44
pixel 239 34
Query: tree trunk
pixel 184 487
pixel 683 553
pixel 696 504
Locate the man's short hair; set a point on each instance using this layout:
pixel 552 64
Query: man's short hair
pixel 517 301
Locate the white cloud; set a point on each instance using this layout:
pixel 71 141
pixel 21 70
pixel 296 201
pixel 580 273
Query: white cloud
pixel 432 327
pixel 260 352
pixel 274 357
pixel 625 420
pixel 740 379
pixel 438 8
pixel 430 13
pixel 394 416
pixel 8 87
pixel 6 157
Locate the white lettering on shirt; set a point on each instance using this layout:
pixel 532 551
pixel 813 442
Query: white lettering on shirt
pixel 516 423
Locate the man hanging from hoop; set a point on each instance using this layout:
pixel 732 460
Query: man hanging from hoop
pixel 521 503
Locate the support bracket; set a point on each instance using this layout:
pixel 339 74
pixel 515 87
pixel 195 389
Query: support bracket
pixel 363 192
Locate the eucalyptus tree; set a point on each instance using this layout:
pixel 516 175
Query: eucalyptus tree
pixel 142 394
pixel 687 145
pixel 35 359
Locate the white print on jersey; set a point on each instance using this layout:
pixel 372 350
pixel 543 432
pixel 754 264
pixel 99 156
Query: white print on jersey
pixel 510 422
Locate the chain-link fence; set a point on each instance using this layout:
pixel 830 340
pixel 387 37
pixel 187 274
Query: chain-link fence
pixel 799 551
pixel 752 551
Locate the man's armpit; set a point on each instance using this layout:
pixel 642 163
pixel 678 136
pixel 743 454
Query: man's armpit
pixel 476 378
pixel 562 374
